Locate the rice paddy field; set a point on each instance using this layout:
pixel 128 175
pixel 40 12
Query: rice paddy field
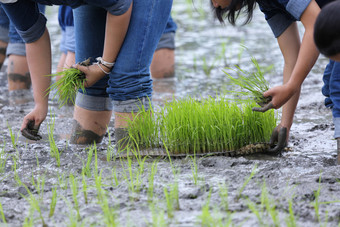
pixel 54 183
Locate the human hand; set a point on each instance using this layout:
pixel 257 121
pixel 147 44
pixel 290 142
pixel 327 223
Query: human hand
pixel 31 123
pixel 279 96
pixel 93 72
pixel 279 136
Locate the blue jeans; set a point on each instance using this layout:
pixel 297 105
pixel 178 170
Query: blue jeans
pixel 130 79
pixel 331 90
pixel 30 24
pixel 9 34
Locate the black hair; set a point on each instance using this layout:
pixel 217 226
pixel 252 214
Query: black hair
pixel 234 10
pixel 327 29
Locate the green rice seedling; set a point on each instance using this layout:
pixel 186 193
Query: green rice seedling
pixel 2 214
pixel 72 79
pixel 110 214
pixel 14 138
pixel 115 177
pixel 223 192
pixel 189 10
pixel 62 181
pixel 194 65
pixel 53 202
pixel 207 68
pixel 240 52
pixel 35 204
pixel 152 174
pixel 54 151
pixel 205 217
pixel 98 184
pixel 245 183
pixel 291 220
pixel 269 205
pixel 158 217
pixel 316 203
pixel 223 54
pixel 258 212
pixel 74 189
pixel 95 159
pixel 172 199
pixel 84 183
pixel 252 84
pixel 214 217
pixel 39 185
pixel 73 220
pixel 28 222
pixel 87 167
pixel 3 157
pixel 16 175
pixel 133 178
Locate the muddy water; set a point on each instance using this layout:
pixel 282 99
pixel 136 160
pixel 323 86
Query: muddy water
pixel 308 165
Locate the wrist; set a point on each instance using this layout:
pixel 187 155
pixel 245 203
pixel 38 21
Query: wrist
pixel 104 66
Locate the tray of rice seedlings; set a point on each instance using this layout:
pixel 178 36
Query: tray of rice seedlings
pixel 252 84
pixel 208 126
pixel 71 79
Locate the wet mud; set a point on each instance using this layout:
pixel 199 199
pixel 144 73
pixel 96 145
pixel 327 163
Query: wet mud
pixel 301 186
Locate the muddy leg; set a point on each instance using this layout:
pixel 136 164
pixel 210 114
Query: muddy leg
pixel 89 126
pixel 121 134
pixel 18 73
pixel 2 55
pixel 163 63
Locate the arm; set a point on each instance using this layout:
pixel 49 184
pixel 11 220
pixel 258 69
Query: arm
pixel 307 57
pixel 116 29
pixel 39 61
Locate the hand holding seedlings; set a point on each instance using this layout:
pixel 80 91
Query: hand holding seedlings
pixel 95 71
pixel 252 85
pixel 72 79
pixel 279 96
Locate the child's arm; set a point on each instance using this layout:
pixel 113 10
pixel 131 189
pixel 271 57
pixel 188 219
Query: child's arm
pixel 39 61
pixel 116 29
pixel 307 57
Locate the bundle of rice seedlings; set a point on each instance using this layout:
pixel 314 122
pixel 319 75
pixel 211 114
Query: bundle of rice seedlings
pixel 252 85
pixel 66 87
pixel 210 125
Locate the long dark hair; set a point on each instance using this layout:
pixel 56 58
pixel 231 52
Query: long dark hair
pixel 234 9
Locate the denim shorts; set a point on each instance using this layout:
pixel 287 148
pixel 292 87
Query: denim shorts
pixel 67 42
pixel 65 17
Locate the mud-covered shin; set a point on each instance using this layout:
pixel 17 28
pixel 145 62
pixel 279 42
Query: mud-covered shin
pixel 122 139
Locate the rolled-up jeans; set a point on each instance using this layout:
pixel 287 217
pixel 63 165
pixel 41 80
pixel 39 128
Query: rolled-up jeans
pixel 129 84
pixel 9 34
